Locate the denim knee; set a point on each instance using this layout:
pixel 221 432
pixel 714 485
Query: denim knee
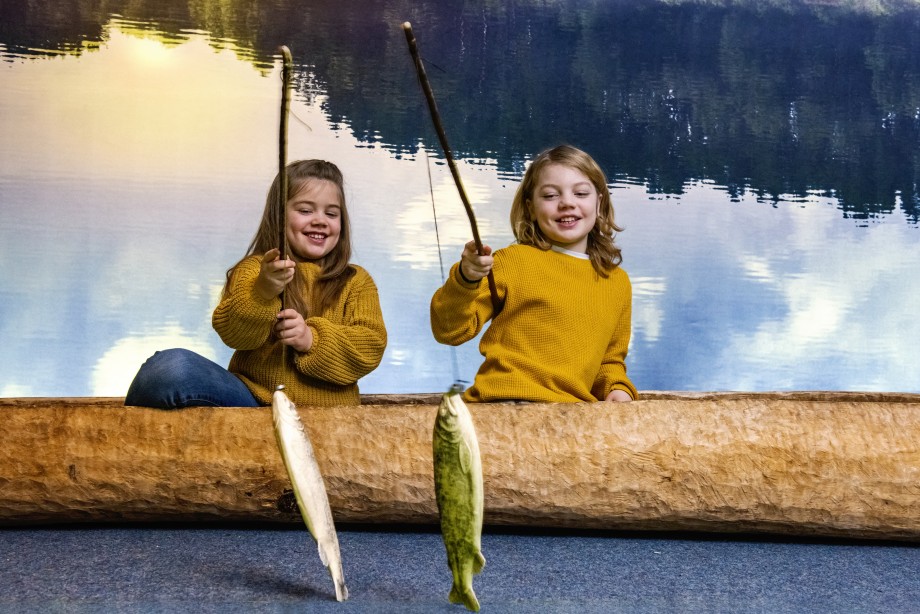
pixel 159 377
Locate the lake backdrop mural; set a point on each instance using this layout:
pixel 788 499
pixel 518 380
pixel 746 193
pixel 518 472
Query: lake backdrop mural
pixel 763 157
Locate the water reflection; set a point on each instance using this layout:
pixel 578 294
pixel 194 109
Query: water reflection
pixel 752 297
pixel 777 98
pixel 771 235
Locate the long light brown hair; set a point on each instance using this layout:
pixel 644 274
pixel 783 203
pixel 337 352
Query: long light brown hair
pixel 335 270
pixel 604 254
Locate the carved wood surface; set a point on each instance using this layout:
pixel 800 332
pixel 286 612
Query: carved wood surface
pixel 823 464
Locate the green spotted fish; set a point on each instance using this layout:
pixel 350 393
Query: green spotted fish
pixel 300 461
pixel 458 490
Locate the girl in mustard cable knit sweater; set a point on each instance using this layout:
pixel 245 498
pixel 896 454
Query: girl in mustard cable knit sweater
pixel 563 323
pixel 329 334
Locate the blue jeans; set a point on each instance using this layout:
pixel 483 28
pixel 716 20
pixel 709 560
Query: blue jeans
pixel 181 378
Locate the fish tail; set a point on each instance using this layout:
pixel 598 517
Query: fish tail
pixel 341 591
pixel 465 596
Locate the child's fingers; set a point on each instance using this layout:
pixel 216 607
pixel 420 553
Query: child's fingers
pixel 471 249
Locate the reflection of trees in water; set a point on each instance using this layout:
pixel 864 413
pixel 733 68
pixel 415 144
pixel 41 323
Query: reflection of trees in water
pixel 774 101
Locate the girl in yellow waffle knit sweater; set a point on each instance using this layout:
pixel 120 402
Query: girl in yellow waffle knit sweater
pixel 565 306
pixel 329 334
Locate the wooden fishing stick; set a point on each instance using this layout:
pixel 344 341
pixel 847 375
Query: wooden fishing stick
pixel 442 137
pixel 286 72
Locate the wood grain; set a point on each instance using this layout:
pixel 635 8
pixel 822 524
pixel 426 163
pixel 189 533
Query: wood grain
pixel 816 464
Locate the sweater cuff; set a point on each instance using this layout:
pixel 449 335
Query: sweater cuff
pixel 463 280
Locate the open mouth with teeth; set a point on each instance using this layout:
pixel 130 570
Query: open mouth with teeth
pixel 568 221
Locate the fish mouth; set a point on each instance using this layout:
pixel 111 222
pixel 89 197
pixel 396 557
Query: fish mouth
pixel 457 387
pixel 452 407
pixel 447 410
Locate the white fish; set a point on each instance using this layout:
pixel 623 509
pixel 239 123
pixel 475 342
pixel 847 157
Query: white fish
pixel 459 492
pixel 300 461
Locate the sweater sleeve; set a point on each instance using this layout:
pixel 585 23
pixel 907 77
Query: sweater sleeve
pixel 460 309
pixel 243 319
pixel 344 352
pixel 612 374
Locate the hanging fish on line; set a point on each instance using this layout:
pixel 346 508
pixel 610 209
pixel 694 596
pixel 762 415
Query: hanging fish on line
pixel 309 489
pixel 459 493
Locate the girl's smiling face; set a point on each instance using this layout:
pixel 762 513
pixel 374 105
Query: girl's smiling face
pixel 565 206
pixel 314 220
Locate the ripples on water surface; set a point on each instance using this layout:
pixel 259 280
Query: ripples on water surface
pixel 763 162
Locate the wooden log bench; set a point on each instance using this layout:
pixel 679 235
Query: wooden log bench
pixel 806 464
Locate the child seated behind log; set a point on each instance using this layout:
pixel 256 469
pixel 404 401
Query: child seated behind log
pixel 565 306
pixel 332 326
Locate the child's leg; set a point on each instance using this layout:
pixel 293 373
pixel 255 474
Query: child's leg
pixel 181 378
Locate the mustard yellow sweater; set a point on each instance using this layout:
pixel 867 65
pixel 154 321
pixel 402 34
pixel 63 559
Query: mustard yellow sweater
pixel 561 335
pixel 348 340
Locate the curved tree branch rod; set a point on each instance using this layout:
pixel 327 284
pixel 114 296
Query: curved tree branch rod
pixel 442 137
pixel 286 72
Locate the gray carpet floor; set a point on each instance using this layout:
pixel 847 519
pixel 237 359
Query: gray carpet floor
pixel 196 569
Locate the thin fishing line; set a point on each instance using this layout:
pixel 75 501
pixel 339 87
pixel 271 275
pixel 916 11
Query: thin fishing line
pixel 455 365
pixel 434 214
pixel 437 235
pixel 304 123
pixel 292 112
pixel 433 65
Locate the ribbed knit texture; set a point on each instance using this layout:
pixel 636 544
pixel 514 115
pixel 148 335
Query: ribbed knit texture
pixel 348 340
pixel 561 335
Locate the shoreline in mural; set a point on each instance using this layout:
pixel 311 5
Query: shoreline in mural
pixel 807 137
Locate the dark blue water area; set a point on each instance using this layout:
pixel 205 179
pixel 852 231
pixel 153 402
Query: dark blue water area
pixel 144 569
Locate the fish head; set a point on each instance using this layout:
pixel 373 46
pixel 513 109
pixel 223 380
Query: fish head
pixel 284 410
pixel 280 399
pixel 448 420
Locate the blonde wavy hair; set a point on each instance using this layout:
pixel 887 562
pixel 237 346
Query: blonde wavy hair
pixel 604 254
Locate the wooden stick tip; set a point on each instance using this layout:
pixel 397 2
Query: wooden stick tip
pixel 406 26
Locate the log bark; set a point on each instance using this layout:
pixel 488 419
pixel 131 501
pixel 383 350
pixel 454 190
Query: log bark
pixel 808 464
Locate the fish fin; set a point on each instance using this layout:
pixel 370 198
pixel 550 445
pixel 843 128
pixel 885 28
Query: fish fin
pixel 454 595
pixel 466 457
pixel 322 554
pixel 479 562
pixel 466 597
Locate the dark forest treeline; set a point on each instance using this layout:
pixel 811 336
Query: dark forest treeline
pixel 779 98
